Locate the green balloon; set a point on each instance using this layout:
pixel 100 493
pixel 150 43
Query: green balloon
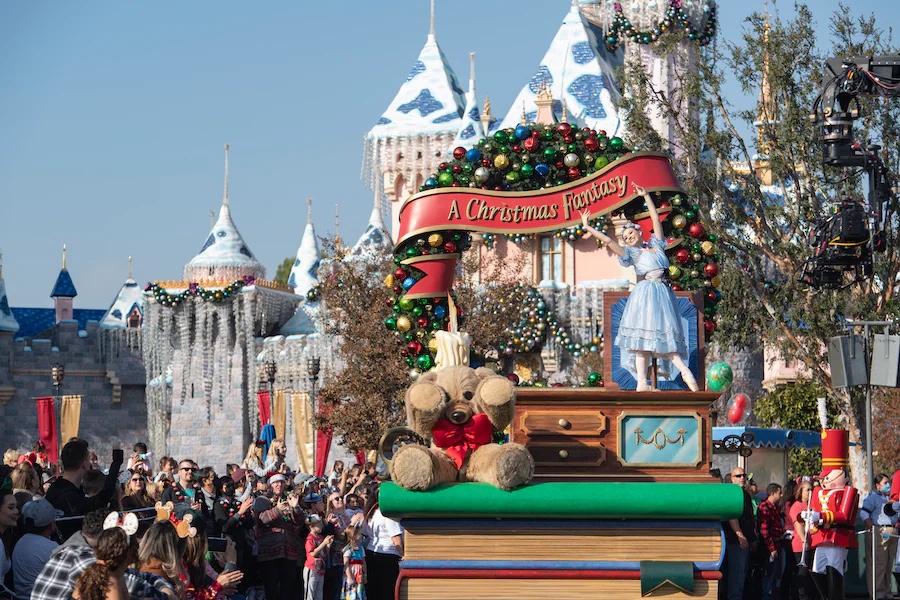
pixel 719 376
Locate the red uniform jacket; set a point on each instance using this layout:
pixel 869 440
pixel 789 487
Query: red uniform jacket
pixel 837 526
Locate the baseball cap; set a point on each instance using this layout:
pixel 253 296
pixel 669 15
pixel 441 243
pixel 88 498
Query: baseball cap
pixel 313 518
pixel 311 498
pixel 41 512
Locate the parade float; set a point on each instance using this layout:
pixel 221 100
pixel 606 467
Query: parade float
pixel 622 501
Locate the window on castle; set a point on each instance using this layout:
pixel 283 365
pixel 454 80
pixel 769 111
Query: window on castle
pixel 551 258
pixel 134 319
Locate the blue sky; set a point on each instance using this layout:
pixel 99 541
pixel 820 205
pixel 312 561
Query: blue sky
pixel 113 116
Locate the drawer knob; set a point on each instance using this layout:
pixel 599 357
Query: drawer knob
pixel 564 424
pixel 564 454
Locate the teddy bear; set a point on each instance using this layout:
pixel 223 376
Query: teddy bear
pixel 459 408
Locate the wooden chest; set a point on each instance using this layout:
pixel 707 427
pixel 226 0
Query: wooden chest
pixel 594 434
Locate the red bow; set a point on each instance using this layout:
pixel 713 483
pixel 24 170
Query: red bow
pixel 458 440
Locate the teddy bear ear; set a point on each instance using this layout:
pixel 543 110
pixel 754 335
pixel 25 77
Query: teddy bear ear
pixel 485 373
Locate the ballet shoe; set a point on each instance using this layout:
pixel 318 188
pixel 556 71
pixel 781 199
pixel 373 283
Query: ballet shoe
pixel 642 386
pixel 689 380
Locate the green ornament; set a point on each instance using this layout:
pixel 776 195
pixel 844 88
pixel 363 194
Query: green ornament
pixel 417 310
pixel 601 162
pixel 526 171
pixel 412 251
pixel 549 153
pixel 435 325
pixel 712 237
pixel 445 179
pixel 594 378
pixel 500 137
pixel 405 303
pixel 409 361
pixel 512 177
pixel 390 323
pixel 689 215
pixel 425 362
pixel 468 168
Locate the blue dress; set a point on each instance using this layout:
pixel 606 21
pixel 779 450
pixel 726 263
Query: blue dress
pixel 650 321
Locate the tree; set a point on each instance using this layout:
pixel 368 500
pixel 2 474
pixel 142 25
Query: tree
pixel 365 398
pixel 764 242
pixel 283 272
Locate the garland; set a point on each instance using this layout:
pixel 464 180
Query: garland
pixel 674 19
pixel 532 157
pixel 195 290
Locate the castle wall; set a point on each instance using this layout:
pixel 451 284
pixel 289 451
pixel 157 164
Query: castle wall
pixel 105 370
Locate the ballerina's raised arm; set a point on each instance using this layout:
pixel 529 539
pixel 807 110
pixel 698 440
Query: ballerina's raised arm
pixel 606 239
pixel 651 208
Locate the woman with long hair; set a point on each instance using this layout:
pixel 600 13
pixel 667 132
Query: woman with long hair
pixel 277 452
pixel 255 460
pixel 136 495
pixel 801 582
pixel 25 479
pixel 9 516
pixel 201 580
pixel 161 553
pixel 104 580
pixel 384 549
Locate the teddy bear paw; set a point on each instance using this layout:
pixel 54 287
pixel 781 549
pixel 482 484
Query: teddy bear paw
pixel 515 466
pixel 412 468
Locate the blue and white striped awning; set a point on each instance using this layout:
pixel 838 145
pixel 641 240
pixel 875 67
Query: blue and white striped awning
pixel 764 437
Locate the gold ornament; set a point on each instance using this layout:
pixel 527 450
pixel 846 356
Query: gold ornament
pixel 389 280
pixel 403 324
pixel 679 221
pixel 432 344
pixel 501 161
pixel 674 271
pixel 435 240
pixel 716 281
pixel 708 248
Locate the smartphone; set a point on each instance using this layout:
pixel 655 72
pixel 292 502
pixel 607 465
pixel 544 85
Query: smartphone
pixel 118 455
pixel 229 567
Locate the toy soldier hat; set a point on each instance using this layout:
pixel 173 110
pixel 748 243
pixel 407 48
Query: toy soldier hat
pixel 835 450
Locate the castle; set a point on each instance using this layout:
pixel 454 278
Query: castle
pixel 178 365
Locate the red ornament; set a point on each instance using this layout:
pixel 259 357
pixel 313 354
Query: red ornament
pixel 397 289
pixel 455 184
pixel 459 153
pixel 568 139
pixel 711 297
pixel 514 378
pixel 564 128
pixel 457 169
pixel 560 165
pixel 404 353
pixel 711 270
pixel 683 256
pixel 531 144
pixel 517 148
pixel 389 301
pixel 602 133
pixel 600 384
pixel 415 347
pixel 422 322
pixel 591 144
pixel 486 162
pixel 574 173
pixel 695 230
pixel 558 384
pixel 450 247
pixel 399 274
pixel 676 288
pixel 710 325
pixel 443 166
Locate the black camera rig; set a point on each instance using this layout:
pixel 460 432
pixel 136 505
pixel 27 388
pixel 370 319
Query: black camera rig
pixel 846 240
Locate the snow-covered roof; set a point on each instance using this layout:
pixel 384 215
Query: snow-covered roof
pixel 303 274
pixel 225 253
pixel 8 322
pixel 375 240
pixel 576 68
pixel 429 101
pixel 130 296
pixel 299 324
pixel 471 129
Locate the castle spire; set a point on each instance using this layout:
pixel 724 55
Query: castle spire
pixel 64 258
pixel 225 192
pixel 1 264
pixel 309 211
pixel 337 225
pixel 431 28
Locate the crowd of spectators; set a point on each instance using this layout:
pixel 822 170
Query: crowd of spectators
pixel 260 530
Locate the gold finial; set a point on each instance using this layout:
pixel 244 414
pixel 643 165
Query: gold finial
pixel 471 66
pixel 129 268
pixel 225 193
pixel 487 106
pixel 563 118
pixel 337 225
pixel 64 258
pixel 309 211
pixel 524 116
pixel 431 30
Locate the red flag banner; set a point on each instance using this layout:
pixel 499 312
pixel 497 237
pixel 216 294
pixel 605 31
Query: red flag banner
pixel 323 447
pixel 47 430
pixel 538 211
pixel 265 408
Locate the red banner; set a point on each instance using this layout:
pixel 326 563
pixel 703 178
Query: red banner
pixel 47 430
pixel 263 402
pixel 550 209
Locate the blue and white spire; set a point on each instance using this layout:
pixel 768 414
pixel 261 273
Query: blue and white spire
pixel 303 274
pixel 8 322
pixel 375 241
pixel 576 69
pixel 471 130
pixel 128 307
pixel 224 255
pixel 418 126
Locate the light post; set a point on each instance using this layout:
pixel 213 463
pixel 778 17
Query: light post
pixel 313 366
pixel 57 374
pixel 271 370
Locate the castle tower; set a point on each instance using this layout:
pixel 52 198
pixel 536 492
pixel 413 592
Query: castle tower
pixel 8 323
pixel 127 310
pixel 8 328
pixel 578 71
pixel 766 116
pixel 410 139
pixel 224 255
pixel 63 292
pixel 472 128
pixel 303 274
pixel 375 240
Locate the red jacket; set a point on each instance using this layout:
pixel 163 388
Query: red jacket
pixel 771 527
pixel 837 525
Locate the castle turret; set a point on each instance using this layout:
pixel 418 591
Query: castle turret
pixel 303 274
pixel 127 310
pixel 410 139
pixel 8 323
pixel 579 73
pixel 375 240
pixel 63 292
pixel 225 254
pixel 472 129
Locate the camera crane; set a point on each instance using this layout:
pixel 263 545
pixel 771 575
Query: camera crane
pixel 846 241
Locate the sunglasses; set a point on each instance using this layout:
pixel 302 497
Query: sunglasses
pixel 137 479
pixel 188 469
pixel 742 475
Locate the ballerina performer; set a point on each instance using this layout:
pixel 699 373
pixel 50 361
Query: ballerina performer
pixel 650 324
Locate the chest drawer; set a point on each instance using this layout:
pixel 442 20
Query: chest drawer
pixel 580 422
pixel 563 454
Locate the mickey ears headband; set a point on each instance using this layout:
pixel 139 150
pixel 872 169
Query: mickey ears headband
pixel 166 512
pixel 128 522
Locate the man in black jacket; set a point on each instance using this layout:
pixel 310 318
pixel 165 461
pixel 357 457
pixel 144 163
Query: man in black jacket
pixel 66 494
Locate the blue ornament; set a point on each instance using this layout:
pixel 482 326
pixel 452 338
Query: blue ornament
pixel 541 169
pixel 408 283
pixel 430 183
pixel 473 155
pixel 523 132
pixel 440 312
